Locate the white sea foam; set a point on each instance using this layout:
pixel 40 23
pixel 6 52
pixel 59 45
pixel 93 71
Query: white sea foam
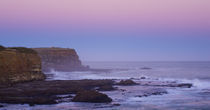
pixel 201 84
pixel 179 72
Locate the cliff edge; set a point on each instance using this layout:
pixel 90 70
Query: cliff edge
pixel 59 59
pixel 19 64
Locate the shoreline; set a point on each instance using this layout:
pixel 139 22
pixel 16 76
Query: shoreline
pixel 58 91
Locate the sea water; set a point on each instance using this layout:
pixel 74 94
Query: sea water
pixel 197 97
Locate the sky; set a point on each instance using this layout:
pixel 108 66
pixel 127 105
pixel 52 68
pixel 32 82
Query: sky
pixel 111 30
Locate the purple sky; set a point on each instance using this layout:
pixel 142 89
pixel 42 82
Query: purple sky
pixel 111 30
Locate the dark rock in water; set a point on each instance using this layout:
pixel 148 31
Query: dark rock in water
pixel 60 59
pixel 116 104
pixel 126 82
pixel 91 96
pixel 160 93
pixel 143 77
pixel 182 85
pixel 106 88
pixel 185 85
pixel 146 68
pixel 1 106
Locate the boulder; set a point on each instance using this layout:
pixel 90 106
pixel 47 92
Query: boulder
pixel 91 96
pixel 126 82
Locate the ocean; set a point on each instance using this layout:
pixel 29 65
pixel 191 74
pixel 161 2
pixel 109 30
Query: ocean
pixel 195 98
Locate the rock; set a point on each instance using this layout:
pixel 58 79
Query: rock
pixel 19 64
pixel 91 96
pixel 116 104
pixel 106 88
pixel 47 92
pixel 182 85
pixel 28 100
pixel 159 93
pixel 143 77
pixel 1 106
pixel 126 82
pixel 60 59
pixel 185 85
pixel 2 48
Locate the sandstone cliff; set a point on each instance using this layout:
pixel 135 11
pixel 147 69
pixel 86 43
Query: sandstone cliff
pixel 19 65
pixel 59 59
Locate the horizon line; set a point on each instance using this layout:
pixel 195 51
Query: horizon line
pixel 154 61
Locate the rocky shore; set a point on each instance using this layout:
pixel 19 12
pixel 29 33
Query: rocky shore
pixel 46 92
pixel 22 80
pixel 57 91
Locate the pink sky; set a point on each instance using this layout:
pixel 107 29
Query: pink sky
pixel 123 15
pixel 164 30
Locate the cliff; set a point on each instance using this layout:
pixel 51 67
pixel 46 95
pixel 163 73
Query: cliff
pixel 19 65
pixel 59 59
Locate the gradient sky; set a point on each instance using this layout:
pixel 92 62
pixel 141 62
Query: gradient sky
pixel 111 30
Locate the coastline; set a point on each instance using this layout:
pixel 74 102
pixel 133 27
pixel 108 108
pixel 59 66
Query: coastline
pixel 49 92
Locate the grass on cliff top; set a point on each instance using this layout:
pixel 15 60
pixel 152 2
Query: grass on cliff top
pixel 23 50
pixel 19 49
pixel 52 48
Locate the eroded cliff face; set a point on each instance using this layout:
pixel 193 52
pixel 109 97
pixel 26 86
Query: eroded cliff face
pixel 59 59
pixel 19 65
